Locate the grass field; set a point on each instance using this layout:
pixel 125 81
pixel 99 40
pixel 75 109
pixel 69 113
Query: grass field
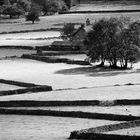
pixel 63 76
pixel 23 42
pixel 112 93
pixel 46 22
pixel 69 82
pixel 42 127
pixel 4 87
pixel 29 38
pixel 51 21
pixel 14 52
pixel 121 110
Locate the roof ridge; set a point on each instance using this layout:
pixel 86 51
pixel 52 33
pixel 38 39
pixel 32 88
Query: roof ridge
pixel 77 31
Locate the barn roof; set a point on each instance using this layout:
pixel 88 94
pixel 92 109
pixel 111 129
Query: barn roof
pixel 78 30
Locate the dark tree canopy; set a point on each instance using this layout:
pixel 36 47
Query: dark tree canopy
pixel 33 14
pixel 47 7
pixel 13 10
pixel 51 6
pixel 116 40
pixel 68 30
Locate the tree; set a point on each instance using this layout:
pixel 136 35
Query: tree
pixel 7 2
pixel 13 10
pixel 1 2
pixel 67 30
pixel 1 9
pixel 130 42
pixel 114 40
pixel 33 14
pixel 25 4
pixel 97 41
pixel 49 7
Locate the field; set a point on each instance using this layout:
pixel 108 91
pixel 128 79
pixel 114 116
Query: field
pixel 50 21
pixel 76 83
pixel 42 127
pixel 14 52
pixel 40 38
pixel 112 93
pixel 69 82
pixel 29 38
pixel 4 87
pixel 64 76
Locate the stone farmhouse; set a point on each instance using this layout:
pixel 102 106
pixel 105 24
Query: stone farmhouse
pixel 75 42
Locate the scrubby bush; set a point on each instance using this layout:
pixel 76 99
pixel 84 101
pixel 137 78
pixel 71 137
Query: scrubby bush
pixel 54 6
pixel 33 14
pixel 67 30
pixel 114 40
pixel 12 10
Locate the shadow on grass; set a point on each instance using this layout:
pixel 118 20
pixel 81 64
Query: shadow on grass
pixel 95 71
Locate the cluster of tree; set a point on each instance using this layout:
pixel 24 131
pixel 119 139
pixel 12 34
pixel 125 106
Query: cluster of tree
pixel 14 7
pixel 51 6
pixel 115 40
pixel 20 7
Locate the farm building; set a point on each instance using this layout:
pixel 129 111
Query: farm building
pixel 75 43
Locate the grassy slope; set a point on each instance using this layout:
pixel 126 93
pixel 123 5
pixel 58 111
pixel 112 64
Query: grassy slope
pixel 49 21
pixel 43 127
pixel 4 87
pixel 112 93
pixel 61 76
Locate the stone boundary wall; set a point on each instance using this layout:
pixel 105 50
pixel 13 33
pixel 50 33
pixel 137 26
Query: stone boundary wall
pixel 97 131
pixel 58 53
pixel 17 47
pixel 53 53
pixel 54 60
pixel 29 88
pixel 128 102
pixel 17 83
pixel 94 136
pixel 35 30
pixel 73 114
pixel 95 12
pixel 55 48
pixel 26 90
pixel 32 103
